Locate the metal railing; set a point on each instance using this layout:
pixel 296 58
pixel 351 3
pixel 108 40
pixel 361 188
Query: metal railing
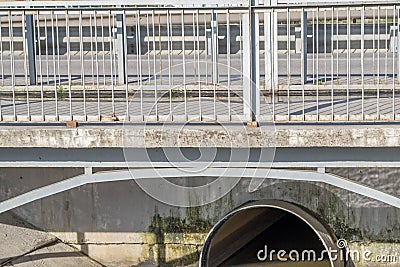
pixel 226 62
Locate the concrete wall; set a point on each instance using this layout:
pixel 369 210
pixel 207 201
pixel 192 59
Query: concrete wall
pixel 119 225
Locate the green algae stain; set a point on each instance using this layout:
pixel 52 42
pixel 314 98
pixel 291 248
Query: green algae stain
pixel 193 223
pixel 181 237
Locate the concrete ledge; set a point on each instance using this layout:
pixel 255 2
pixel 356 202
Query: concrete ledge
pixel 205 136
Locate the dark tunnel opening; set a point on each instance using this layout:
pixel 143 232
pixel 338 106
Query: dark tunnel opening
pixel 270 233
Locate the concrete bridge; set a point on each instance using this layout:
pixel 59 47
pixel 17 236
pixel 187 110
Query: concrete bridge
pixel 226 153
pixel 79 184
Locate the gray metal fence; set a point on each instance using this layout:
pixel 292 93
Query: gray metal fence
pixel 228 62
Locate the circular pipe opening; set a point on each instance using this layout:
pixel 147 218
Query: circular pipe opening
pixel 270 233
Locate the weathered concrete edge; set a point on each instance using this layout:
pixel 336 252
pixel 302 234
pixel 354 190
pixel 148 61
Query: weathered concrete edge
pixel 196 136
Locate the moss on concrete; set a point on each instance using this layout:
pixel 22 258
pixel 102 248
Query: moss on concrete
pixel 179 240
pixel 171 224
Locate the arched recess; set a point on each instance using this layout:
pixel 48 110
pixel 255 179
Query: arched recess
pixel 248 235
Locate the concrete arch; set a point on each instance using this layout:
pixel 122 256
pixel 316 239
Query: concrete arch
pixel 151 173
pixel 277 209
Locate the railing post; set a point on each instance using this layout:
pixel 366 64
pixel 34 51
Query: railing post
pixel 121 35
pixel 30 43
pixel 255 62
pixel 303 47
pixel 271 38
pixel 246 65
pixel 251 63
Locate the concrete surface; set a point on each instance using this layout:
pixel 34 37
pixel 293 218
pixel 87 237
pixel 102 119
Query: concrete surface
pixel 24 245
pixel 140 136
pixel 120 225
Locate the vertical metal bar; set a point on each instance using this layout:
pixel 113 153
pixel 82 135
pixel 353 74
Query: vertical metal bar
pixel 373 45
pixel 115 48
pixel 169 63
pixel 82 53
pixel 317 67
pixel 393 66
pixel 267 52
pixel 160 48
pixel 30 39
pixel 172 47
pixel 58 64
pixel 332 58
pixel 53 41
pixel 69 62
pixel 139 52
pixel 91 48
pixel 271 57
pixel 348 62
pixel 125 43
pixel 362 59
pixel 97 64
pixel 325 45
pixel 228 59
pixel 214 47
pixel 103 48
pixel 288 60
pixel 304 63
pixel 246 62
pixel 148 47
pixel 337 46
pixel 217 48
pixel 111 62
pixel 241 46
pixel 137 49
pixel 304 24
pixel 378 71
pixel 194 44
pixel 154 64
pixel 274 46
pixel 25 62
pixel 386 44
pixel 255 63
pixel 275 65
pixel 205 45
pixel 2 68
pixel 398 45
pixel 313 47
pixel 198 62
pixel 11 36
pixel 1 59
pixel 183 59
pixel 47 50
pixel 120 48
pixel 40 63
pixel 214 73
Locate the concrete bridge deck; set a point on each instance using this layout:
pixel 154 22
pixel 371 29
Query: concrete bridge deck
pixel 153 136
